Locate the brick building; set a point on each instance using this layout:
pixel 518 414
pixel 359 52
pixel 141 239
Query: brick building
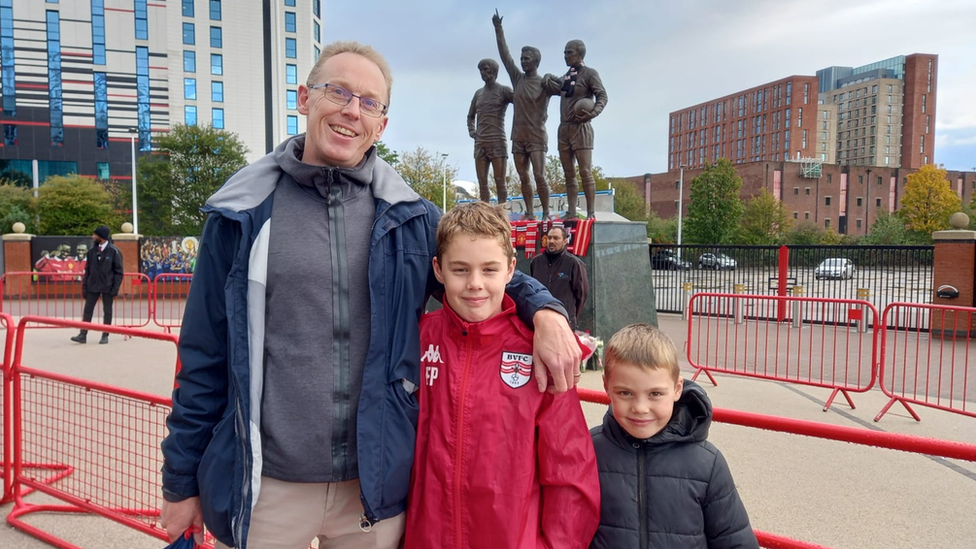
pixel 880 114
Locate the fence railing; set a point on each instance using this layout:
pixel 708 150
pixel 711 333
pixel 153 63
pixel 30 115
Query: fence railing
pixel 821 342
pixel 6 450
pixel 931 363
pixel 169 297
pixel 879 274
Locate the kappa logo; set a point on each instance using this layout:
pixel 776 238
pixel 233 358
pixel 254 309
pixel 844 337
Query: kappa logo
pixel 515 369
pixel 432 354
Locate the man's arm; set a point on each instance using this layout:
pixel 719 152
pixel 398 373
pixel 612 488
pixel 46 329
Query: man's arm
pixel 118 271
pixel 472 114
pixel 596 87
pixel 552 84
pixel 514 72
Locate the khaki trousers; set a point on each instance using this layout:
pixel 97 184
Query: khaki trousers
pixel 289 515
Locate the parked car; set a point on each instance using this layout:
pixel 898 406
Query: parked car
pixel 667 260
pixel 835 267
pixel 715 261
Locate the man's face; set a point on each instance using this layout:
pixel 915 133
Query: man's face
pixel 556 241
pixel 339 136
pixel 571 55
pixel 642 399
pixel 474 272
pixel 488 73
pixel 529 61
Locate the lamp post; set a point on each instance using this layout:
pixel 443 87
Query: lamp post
pixel 681 194
pixel 647 194
pixel 444 180
pixel 133 132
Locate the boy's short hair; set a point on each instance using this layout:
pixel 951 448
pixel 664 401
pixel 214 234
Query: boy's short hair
pixel 475 219
pixel 644 346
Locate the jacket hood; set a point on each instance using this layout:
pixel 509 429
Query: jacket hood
pixel 689 423
pixel 254 183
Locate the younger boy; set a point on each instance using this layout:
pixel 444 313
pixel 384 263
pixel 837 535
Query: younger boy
pixel 662 484
pixel 497 464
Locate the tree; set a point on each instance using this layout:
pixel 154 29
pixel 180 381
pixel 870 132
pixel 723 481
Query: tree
pixel 627 202
pixel 16 204
pixel 426 175
pixel 714 209
pixel 74 205
pixel 764 221
pixel 382 151
pixel 192 162
pixel 556 177
pixel 929 200
pixel 805 233
pixel 887 230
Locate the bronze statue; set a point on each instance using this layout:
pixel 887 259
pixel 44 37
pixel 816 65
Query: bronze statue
pixel 486 125
pixel 529 139
pixel 578 88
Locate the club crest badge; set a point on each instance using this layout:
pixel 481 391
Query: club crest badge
pixel 516 369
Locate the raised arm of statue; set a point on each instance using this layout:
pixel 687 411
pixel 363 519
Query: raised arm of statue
pixel 514 72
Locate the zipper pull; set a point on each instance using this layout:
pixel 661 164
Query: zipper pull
pixel 364 524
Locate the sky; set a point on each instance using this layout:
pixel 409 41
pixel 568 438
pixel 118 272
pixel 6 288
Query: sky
pixel 654 57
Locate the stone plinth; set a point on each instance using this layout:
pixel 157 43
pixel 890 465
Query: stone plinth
pixel 954 265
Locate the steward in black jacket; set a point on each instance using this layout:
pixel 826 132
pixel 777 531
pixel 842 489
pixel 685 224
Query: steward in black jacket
pixel 673 490
pixel 103 278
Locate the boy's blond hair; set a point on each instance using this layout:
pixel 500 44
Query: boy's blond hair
pixel 475 219
pixel 644 346
pixel 335 48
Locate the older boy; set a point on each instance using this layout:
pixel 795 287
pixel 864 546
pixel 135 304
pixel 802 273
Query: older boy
pixel 497 464
pixel 651 450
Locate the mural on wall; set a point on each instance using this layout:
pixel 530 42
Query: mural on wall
pixel 62 257
pixel 167 254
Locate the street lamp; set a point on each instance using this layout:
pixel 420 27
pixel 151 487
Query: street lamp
pixel 647 194
pixel 444 180
pixel 133 132
pixel 681 194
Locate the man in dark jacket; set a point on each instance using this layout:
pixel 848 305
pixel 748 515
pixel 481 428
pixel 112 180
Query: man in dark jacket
pixel 103 277
pixel 652 450
pixel 562 273
pixel 295 412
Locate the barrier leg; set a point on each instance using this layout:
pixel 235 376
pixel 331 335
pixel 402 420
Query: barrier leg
pixel 833 395
pixel 890 403
pixel 707 373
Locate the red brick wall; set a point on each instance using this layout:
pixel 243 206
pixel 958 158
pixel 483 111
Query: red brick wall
pixel 913 122
pixel 955 265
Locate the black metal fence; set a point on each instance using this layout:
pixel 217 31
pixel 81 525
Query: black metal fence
pixel 878 274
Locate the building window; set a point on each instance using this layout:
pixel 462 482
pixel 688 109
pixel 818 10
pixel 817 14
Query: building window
pixel 102 169
pixel 877 202
pixel 142 98
pixel 858 223
pixel 189 61
pixel 187 8
pixel 291 74
pixel 55 91
pixel 189 34
pixel 292 124
pixel 291 48
pixel 859 199
pixel 215 10
pixel 190 115
pixel 7 76
pixel 829 178
pixel 190 88
pixel 796 191
pixel 290 25
pixel 101 109
pixel 317 31
pixel 218 119
pixel 827 223
pixel 860 180
pixel 806 215
pixel 142 20
pixel 290 3
pixel 216 37
pixel 98 32
pixel 217 92
pixel 795 215
pixel 291 99
pixel 827 201
pixel 879 180
pixel 216 64
pixel 806 191
pixel 317 8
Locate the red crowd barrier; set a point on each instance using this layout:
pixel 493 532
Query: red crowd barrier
pixel 56 295
pixel 104 440
pixel 932 363
pixel 6 464
pixel 169 296
pixel 819 342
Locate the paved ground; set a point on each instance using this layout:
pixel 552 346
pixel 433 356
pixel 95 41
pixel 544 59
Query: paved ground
pixel 836 494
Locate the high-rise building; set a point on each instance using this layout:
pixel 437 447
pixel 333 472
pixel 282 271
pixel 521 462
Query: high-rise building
pixel 880 114
pixel 80 79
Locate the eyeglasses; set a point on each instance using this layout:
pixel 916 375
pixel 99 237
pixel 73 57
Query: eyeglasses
pixel 342 96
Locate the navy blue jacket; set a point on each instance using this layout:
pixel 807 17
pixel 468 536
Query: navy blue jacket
pixel 212 450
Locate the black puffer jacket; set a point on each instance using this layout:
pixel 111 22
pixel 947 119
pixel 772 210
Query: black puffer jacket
pixel 103 271
pixel 673 490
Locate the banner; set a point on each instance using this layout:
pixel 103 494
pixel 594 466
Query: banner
pixel 167 254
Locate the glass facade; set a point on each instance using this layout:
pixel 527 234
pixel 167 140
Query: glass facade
pixel 142 19
pixel 98 32
pixel 142 98
pixel 8 77
pixel 55 92
pixel 101 110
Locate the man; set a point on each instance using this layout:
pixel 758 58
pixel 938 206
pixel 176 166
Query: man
pixel 102 280
pixel 486 125
pixel 531 101
pixel 294 415
pixel 562 273
pixel 575 132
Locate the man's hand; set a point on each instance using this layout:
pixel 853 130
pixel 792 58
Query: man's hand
pixel 177 518
pixel 555 347
pixel 583 117
pixel 496 19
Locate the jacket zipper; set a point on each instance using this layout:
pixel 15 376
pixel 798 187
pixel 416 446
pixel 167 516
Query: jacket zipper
pixel 238 528
pixel 460 442
pixel 641 496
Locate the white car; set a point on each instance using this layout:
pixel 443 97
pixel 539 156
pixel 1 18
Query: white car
pixel 715 261
pixel 835 267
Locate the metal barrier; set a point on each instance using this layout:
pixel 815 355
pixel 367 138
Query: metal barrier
pixel 879 439
pixel 50 295
pixel 106 438
pixel 818 343
pixel 933 362
pixel 170 291
pixel 6 464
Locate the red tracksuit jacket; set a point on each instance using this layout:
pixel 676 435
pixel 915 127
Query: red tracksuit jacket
pixel 498 464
